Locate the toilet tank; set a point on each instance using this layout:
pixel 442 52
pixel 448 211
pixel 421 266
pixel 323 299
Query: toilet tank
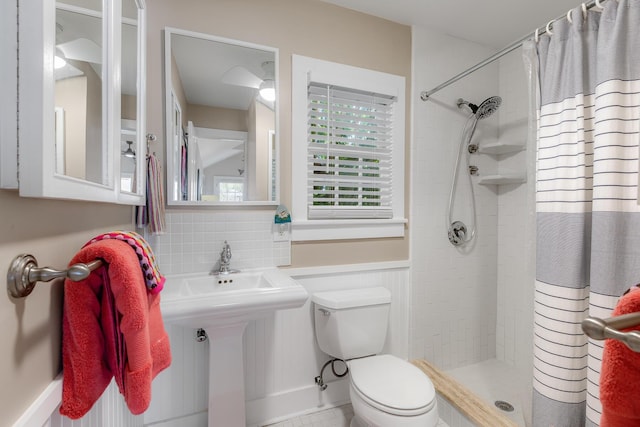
pixel 351 323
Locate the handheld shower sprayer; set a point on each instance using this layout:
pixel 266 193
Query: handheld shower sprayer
pixel 457 231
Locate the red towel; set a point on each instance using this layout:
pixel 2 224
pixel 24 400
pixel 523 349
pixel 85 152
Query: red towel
pixel 620 374
pixel 148 265
pixel 111 326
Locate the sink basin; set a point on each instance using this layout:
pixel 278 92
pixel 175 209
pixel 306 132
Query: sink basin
pixel 199 300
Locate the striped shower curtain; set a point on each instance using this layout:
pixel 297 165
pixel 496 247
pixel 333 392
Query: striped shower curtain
pixel 587 212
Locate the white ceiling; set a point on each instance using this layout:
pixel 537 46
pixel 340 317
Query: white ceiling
pixel 495 23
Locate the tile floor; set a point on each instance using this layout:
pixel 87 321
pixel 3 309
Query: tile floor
pixel 334 417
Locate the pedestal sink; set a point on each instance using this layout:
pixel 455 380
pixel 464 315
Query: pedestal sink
pixel 223 305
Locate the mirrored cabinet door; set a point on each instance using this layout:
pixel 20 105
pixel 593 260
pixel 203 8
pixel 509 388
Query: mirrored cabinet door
pixel 132 149
pixel 9 98
pixel 71 89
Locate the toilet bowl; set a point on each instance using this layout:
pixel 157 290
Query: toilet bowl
pixel 385 390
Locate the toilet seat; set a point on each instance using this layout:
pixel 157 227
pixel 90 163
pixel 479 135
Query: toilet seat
pixel 392 385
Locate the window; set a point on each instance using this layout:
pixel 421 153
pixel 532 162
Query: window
pixel 229 189
pixel 348 152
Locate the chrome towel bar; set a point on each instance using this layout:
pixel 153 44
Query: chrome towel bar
pixel 24 273
pixel 600 329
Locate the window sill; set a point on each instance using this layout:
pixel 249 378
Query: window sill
pixel 347 229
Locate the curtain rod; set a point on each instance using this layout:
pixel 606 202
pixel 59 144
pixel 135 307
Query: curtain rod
pixel 513 46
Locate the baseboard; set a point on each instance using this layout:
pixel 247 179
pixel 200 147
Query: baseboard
pixel 292 403
pixel 40 411
pixel 194 420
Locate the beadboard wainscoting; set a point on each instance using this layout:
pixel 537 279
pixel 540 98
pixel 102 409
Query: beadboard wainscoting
pixel 109 410
pixel 281 355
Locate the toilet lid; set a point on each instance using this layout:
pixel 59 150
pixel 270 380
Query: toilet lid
pixel 392 384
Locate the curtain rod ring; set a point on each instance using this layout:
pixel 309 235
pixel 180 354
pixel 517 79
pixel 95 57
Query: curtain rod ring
pixel 548 28
pixel 536 35
pixel 599 5
pixel 569 17
pixel 584 12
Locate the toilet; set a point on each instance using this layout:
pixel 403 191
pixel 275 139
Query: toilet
pixel 385 390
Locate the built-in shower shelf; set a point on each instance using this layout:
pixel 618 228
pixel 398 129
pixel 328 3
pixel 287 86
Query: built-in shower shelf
pixel 502 179
pixel 497 148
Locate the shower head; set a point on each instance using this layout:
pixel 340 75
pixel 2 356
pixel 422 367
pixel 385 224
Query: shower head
pixel 485 109
pixel 488 107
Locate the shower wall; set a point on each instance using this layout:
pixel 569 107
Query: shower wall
pixel 474 303
pixel 454 290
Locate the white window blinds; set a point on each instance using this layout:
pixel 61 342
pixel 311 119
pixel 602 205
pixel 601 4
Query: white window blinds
pixel 349 153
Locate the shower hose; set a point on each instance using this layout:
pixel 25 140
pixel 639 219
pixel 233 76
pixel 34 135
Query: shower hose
pixel 457 231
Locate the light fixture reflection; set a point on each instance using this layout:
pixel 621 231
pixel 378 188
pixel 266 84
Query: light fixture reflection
pixel 267 90
pixel 129 152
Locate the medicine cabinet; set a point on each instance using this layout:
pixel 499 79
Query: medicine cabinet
pixel 81 121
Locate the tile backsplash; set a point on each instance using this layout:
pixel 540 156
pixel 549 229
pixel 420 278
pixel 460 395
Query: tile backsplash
pixel 193 241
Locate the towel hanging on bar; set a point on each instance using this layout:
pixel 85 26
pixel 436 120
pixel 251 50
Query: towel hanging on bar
pixel 111 326
pixel 620 373
pixel 154 280
pixel 152 213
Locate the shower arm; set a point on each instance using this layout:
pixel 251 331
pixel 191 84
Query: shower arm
pixel 601 329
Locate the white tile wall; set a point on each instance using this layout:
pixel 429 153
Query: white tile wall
pixel 453 289
pixel 193 241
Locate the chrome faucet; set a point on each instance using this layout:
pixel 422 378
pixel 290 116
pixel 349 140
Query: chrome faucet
pixel 225 261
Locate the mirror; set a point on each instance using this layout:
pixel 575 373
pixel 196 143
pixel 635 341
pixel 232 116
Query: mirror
pixel 221 120
pixel 80 110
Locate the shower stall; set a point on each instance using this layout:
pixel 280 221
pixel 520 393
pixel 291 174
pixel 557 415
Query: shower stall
pixel 472 303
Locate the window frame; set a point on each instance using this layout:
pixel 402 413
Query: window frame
pixel 304 71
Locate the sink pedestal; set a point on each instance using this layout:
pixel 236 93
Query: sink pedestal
pixel 226 375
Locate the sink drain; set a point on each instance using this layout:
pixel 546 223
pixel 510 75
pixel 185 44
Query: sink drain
pixel 504 406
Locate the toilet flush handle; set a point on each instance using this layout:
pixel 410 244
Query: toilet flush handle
pixel 324 311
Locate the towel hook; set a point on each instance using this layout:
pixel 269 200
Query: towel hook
pixel 24 273
pixel 150 138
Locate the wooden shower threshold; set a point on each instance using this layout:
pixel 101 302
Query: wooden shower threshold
pixel 468 404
